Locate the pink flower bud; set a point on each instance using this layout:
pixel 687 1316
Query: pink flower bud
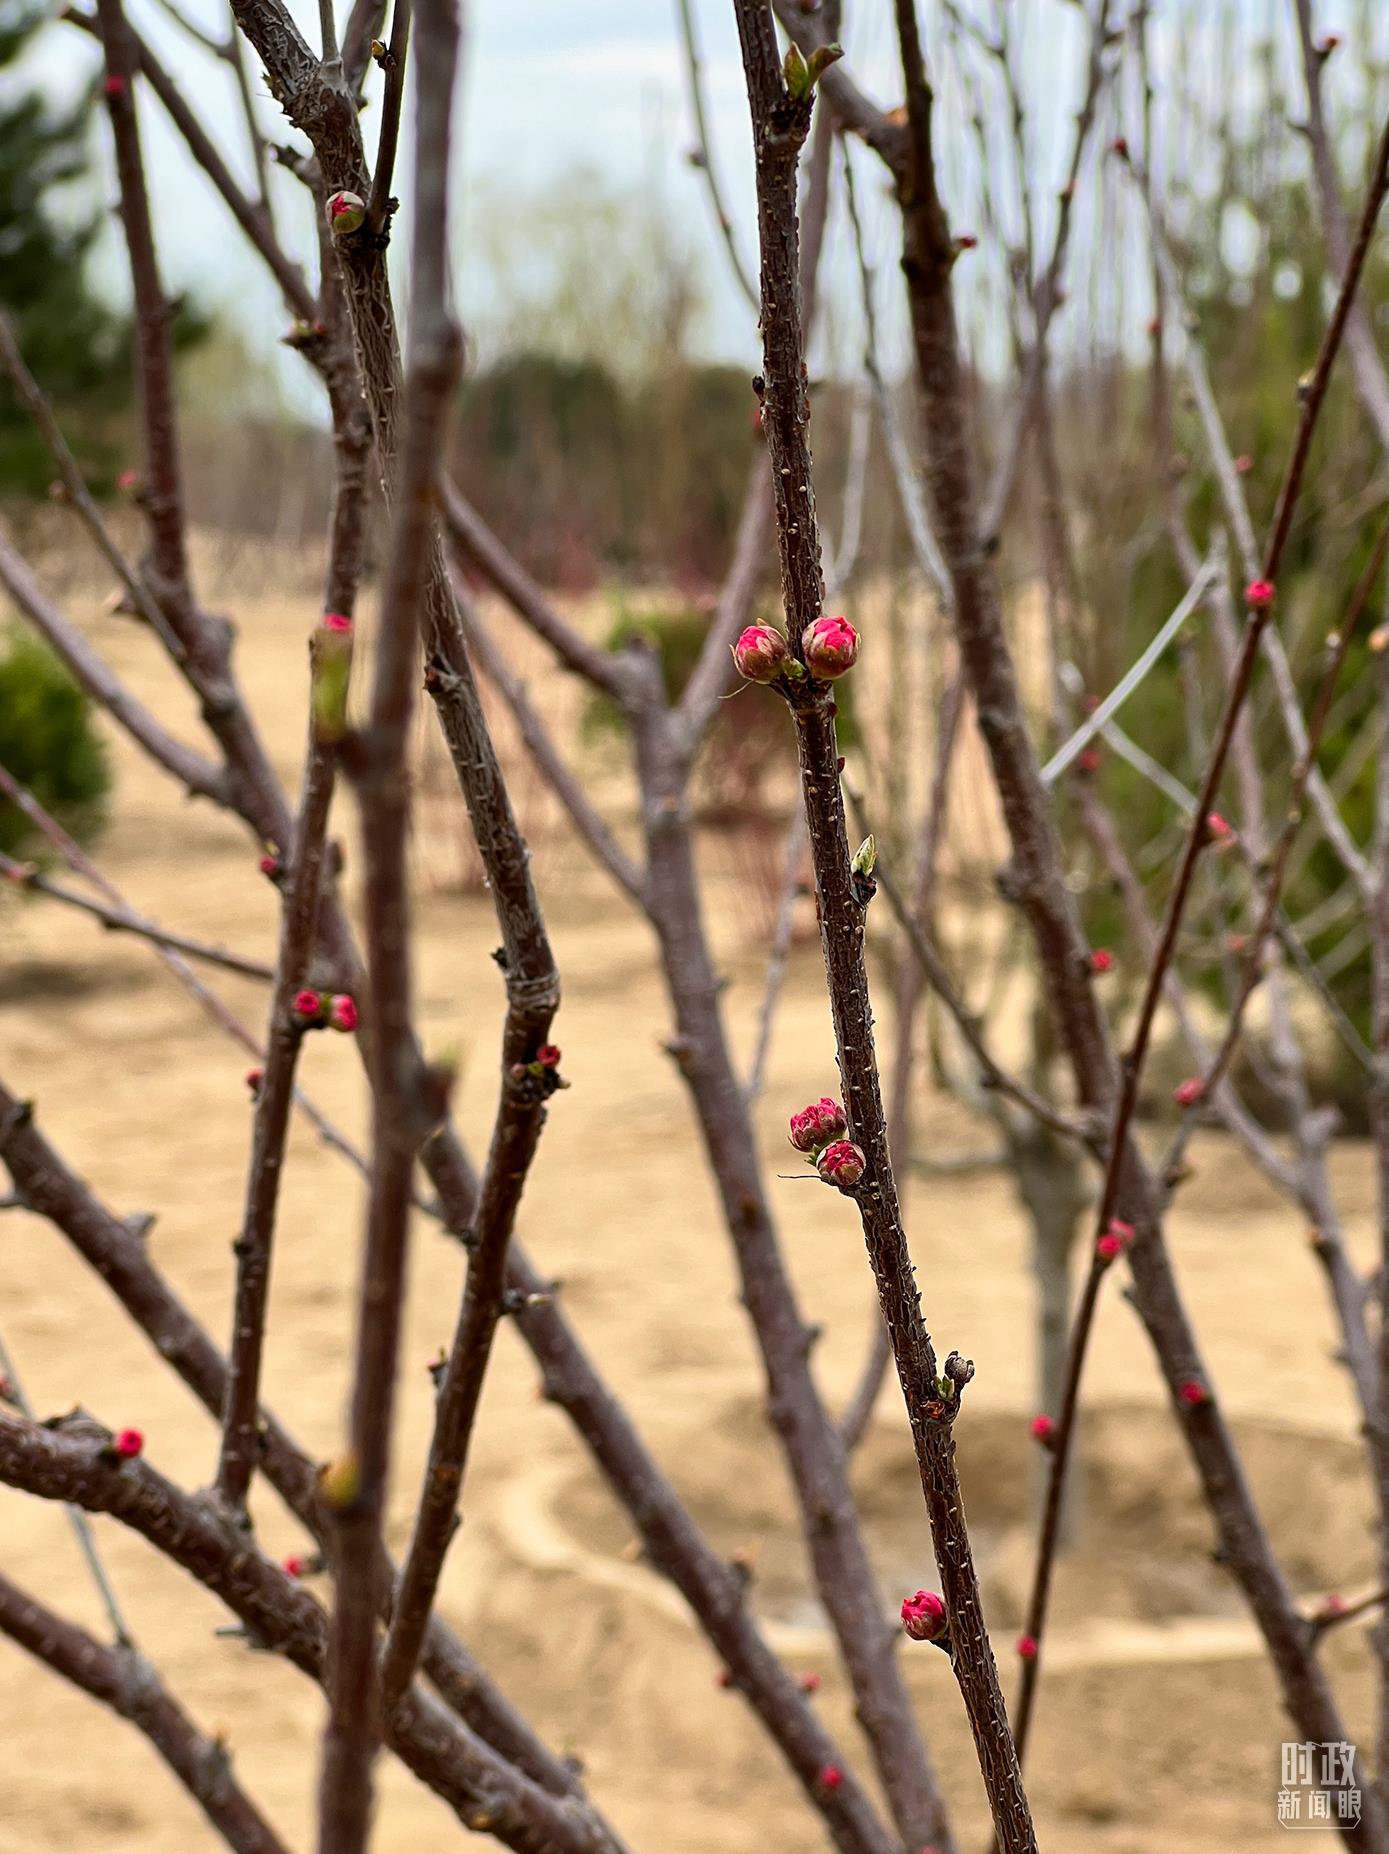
pixel 293 1565
pixel 1259 594
pixel 760 653
pixel 254 1078
pixel 128 480
pixel 1120 147
pixel 830 646
pixel 346 211
pixel 723 1678
pixel 1043 1428
pixel 270 865
pixel 816 1125
pixel 128 1444
pixel 1244 463
pixel 1155 327
pixel 308 1006
pixel 965 241
pixel 1116 1238
pixel 114 85
pixel 342 1013
pixel 809 1683
pixel 923 1616
pixel 1101 960
pixel 1219 828
pixel 1327 45
pixel 337 621
pixel 1027 1647
pixel 841 1164
pixel 1188 1092
pixel 831 1777
pixel 548 1055
pixel 1193 1393
pixel 1334 1606
pixel 1089 760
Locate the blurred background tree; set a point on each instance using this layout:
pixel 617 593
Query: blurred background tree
pixel 76 344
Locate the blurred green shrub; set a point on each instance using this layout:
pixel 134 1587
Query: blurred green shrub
pixel 49 743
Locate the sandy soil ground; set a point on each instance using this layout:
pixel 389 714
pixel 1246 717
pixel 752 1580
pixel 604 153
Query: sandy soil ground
pixel 1160 1724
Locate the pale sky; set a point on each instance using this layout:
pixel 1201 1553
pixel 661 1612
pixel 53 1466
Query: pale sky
pixel 552 86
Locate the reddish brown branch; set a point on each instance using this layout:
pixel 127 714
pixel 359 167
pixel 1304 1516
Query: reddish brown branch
pixel 780 122
pixel 355 1710
pixel 1118 1161
pixel 274 1099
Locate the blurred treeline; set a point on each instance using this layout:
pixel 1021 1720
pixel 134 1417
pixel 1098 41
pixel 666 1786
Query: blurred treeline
pixel 610 454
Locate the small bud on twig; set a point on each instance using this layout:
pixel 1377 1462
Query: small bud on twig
pixel 830 647
pixel 346 212
pixel 923 1617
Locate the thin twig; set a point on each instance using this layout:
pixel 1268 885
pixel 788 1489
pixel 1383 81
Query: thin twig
pixel 778 954
pixel 125 1681
pixel 381 206
pixel 81 1525
pixel 694 71
pixel 117 920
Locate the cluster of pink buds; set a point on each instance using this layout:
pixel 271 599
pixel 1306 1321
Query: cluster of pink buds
pixel 923 1617
pixel 818 1124
pixel 1116 1238
pixel 1187 1093
pixel 128 1444
pixel 543 1068
pixel 1259 594
pixel 1043 1429
pixel 819 1129
pixel 760 653
pixel 321 1010
pixel 830 648
pixel 1101 960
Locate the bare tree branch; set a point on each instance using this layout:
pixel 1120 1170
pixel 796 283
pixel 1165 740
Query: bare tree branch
pixel 780 121
pixel 124 1680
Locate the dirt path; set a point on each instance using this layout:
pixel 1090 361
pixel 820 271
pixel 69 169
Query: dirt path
pixel 1159 1729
